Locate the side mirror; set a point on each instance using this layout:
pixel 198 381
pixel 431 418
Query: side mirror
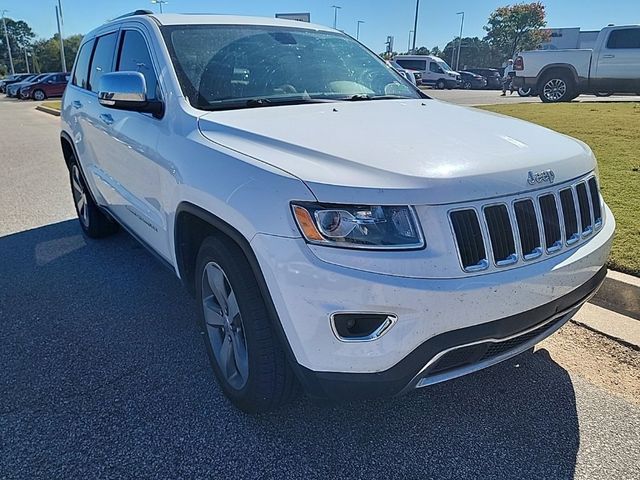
pixel 127 91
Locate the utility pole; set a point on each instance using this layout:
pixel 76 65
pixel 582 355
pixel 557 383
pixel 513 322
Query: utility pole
pixel 360 22
pixel 335 15
pixel 459 40
pixel 409 42
pixel 415 26
pixel 160 3
pixel 26 59
pixel 6 40
pixel 62 59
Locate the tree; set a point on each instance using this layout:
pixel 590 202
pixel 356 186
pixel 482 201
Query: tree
pixel 474 52
pixel 20 36
pixel 47 53
pixel 515 28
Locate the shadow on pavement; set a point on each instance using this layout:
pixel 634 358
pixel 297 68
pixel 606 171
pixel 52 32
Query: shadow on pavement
pixel 104 374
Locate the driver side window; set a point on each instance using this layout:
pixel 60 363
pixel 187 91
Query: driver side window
pixel 135 57
pixel 433 67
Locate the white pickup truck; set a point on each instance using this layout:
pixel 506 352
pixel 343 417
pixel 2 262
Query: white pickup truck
pixel 612 66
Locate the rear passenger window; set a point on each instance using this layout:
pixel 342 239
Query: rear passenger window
pixel 102 61
pixel 624 38
pixel 135 57
pixel 81 72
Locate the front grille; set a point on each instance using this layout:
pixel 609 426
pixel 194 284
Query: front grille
pixel 585 209
pixel 528 229
pixel 469 238
pixel 501 234
pixel 551 222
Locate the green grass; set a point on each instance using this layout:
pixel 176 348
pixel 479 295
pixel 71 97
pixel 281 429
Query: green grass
pixel 612 130
pixel 55 104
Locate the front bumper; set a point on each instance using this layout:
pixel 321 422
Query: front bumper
pixel 433 314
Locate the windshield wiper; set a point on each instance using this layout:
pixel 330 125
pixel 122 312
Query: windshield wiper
pixel 365 96
pixel 264 102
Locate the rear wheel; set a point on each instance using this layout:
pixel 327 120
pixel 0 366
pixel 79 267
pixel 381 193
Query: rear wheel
pixel 440 84
pixel 524 92
pixel 243 348
pixel 557 87
pixel 93 221
pixel 39 95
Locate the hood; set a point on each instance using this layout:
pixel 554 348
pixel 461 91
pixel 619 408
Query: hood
pixel 399 151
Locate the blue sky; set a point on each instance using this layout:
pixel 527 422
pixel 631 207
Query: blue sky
pixel 438 21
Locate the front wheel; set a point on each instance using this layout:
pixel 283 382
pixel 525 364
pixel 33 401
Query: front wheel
pixel 39 95
pixel 440 84
pixel 466 85
pixel 243 348
pixel 524 92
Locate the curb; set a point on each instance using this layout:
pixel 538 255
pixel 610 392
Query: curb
pixel 620 293
pixel 50 111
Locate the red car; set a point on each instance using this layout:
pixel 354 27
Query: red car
pixel 52 85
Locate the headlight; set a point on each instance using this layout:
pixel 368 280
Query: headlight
pixel 355 226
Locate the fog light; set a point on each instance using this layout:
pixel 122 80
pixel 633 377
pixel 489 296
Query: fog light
pixel 361 327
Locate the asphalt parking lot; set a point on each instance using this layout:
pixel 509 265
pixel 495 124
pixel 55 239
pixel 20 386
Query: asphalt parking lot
pixel 104 374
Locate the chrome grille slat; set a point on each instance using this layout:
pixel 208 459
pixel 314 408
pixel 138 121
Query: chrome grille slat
pixel 528 228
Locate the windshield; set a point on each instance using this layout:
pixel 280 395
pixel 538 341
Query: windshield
pixel 444 66
pixel 222 67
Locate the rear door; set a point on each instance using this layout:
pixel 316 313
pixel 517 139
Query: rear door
pixel 58 84
pixel 618 62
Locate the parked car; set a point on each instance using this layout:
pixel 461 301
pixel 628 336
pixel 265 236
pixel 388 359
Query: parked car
pixel 329 241
pixel 405 73
pixel 18 77
pixel 612 66
pixel 472 80
pixel 14 87
pixel 492 75
pixel 52 85
pixel 435 71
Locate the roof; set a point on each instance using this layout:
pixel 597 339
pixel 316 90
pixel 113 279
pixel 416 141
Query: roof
pixel 207 19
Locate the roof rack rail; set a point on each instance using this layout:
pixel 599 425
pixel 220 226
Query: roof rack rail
pixel 133 14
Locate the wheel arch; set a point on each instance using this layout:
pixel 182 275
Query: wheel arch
pixel 68 150
pixel 557 67
pixel 191 226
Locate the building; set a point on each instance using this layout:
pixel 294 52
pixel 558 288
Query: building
pixel 573 37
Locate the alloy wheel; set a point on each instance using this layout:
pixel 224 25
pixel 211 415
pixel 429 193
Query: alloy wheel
pixel 79 195
pixel 38 95
pixel 555 89
pixel 224 326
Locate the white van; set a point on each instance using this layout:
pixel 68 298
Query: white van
pixel 435 71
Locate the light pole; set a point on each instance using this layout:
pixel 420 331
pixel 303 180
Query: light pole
pixel 360 22
pixel 160 3
pixel 6 39
pixel 459 40
pixel 415 26
pixel 59 19
pixel 26 59
pixel 335 15
pixel 409 42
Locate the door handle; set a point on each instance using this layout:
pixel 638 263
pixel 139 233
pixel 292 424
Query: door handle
pixel 76 104
pixel 608 56
pixel 106 118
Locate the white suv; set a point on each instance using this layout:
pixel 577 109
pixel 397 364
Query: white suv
pixel 340 230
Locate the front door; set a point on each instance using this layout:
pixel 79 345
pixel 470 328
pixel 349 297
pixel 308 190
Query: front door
pixel 618 62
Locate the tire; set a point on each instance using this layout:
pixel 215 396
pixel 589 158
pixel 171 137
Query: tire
pixel 39 95
pixel 244 351
pixel 440 84
pixel 557 87
pixel 94 223
pixel 524 92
